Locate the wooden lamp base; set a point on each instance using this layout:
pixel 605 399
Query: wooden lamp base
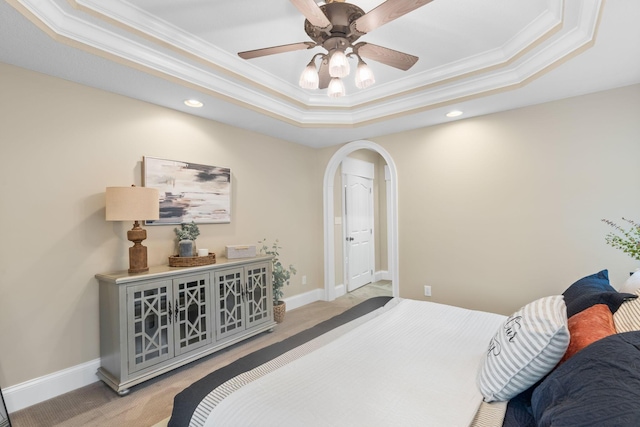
pixel 137 252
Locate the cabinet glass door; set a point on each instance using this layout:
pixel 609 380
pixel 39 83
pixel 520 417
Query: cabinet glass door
pixel 259 304
pixel 191 316
pixel 229 297
pixel 4 414
pixel 150 332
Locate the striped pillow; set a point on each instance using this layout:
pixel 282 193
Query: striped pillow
pixel 527 346
pixel 627 318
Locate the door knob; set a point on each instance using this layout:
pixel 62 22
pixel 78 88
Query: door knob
pixel 350 239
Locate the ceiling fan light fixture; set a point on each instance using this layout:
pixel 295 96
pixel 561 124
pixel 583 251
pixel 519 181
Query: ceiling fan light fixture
pixel 336 88
pixel 339 64
pixel 309 78
pixel 335 26
pixel 364 75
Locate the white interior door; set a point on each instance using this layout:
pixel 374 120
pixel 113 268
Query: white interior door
pixel 359 245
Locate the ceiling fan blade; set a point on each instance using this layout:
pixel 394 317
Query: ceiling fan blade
pixel 385 12
pixel 249 54
pixel 313 13
pixel 323 73
pixel 393 58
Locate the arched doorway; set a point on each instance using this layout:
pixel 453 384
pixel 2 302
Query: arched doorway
pixel 328 209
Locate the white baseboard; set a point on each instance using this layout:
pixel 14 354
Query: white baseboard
pixel 46 387
pixel 341 289
pixel 382 275
pixel 300 300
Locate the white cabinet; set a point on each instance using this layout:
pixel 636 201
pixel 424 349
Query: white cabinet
pixel 154 322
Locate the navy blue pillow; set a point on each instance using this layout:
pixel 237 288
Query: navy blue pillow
pixel 592 290
pixel 599 386
pixel 519 413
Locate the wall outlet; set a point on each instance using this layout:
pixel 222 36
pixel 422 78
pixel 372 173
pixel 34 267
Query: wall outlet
pixel 427 291
pixel 304 280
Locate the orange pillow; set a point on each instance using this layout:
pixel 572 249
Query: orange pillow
pixel 587 327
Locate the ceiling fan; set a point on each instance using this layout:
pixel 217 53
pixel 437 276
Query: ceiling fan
pixel 336 26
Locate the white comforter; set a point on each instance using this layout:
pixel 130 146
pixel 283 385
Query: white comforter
pixel 413 365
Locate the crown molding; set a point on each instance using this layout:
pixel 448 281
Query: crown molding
pixel 119 30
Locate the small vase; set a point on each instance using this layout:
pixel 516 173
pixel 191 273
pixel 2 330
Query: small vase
pixel 185 248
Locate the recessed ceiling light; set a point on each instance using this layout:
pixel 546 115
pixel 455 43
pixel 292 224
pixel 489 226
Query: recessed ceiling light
pixel 454 113
pixel 193 103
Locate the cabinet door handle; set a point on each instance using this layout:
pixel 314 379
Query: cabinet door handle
pixel 170 312
pixel 175 313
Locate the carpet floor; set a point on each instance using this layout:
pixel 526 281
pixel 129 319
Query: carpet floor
pixel 151 402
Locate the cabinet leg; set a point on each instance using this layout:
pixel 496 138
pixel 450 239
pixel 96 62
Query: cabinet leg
pixel 271 330
pixel 123 392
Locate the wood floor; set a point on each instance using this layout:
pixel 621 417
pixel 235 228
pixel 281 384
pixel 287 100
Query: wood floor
pixel 97 405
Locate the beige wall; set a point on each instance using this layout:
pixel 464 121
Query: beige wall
pixel 496 211
pixel 62 144
pixel 493 211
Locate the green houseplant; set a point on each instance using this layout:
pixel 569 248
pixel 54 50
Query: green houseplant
pixel 280 276
pixel 187 234
pixel 627 240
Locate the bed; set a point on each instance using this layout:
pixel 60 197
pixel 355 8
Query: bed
pixel 392 361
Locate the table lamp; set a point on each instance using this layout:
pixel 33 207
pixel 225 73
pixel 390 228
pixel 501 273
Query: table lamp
pixel 133 204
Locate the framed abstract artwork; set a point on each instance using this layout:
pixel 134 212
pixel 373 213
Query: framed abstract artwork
pixel 189 191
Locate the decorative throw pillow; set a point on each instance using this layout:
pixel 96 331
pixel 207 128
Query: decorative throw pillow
pixel 587 327
pixel 524 349
pixel 592 290
pixel 632 284
pixel 627 318
pixel 599 386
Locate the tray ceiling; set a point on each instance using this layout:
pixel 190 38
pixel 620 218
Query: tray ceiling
pixel 478 57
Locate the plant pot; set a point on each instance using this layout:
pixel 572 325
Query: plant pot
pixel 185 248
pixel 278 311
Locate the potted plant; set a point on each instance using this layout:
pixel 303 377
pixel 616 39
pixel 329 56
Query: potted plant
pixel 280 277
pixel 186 234
pixel 628 241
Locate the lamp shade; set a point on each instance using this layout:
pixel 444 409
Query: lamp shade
pixel 338 64
pixel 336 88
pixel 364 75
pixel 309 78
pixel 132 203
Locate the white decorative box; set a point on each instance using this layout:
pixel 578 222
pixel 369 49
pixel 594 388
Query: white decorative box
pixel 241 251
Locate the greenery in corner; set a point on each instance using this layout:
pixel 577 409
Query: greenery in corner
pixel 628 241
pixel 281 275
pixel 187 231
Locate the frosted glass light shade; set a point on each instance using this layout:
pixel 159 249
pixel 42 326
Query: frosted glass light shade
pixel 336 88
pixel 132 203
pixel 364 75
pixel 339 64
pixel 309 78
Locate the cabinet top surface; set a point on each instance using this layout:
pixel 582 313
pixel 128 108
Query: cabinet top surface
pixel 162 271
